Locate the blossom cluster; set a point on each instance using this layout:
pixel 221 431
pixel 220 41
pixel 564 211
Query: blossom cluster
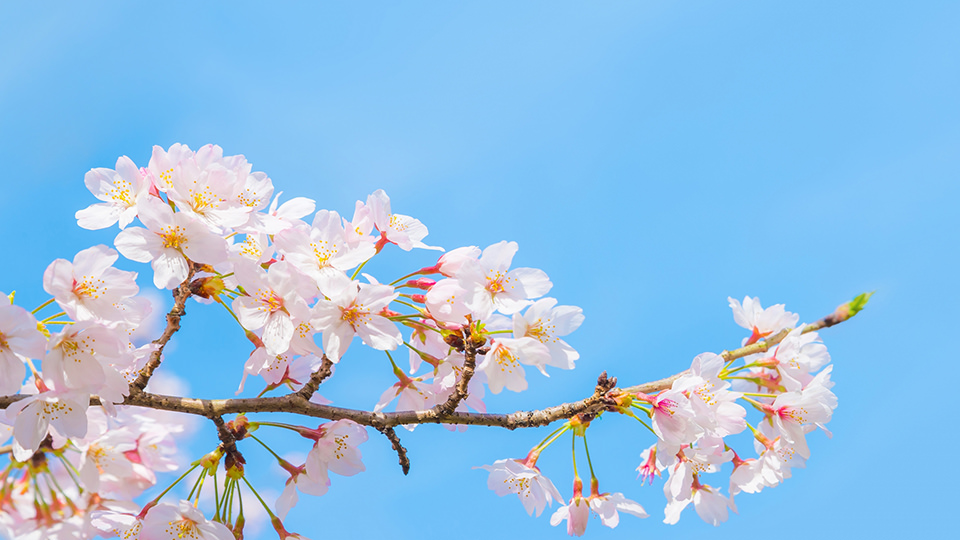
pixel 212 227
pixel 694 420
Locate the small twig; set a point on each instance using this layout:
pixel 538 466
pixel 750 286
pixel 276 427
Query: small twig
pixel 324 371
pixel 180 295
pixel 227 440
pixel 463 382
pixel 391 435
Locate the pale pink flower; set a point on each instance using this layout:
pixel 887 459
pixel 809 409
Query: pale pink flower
pixel 356 311
pixel 404 231
pixel 412 393
pixel 713 405
pixel 168 241
pixel 761 322
pixel 607 505
pixel 447 301
pixel 792 411
pixel 19 340
pixel 169 522
pixel 81 355
pixel 165 165
pixel 336 450
pixel 321 251
pixel 254 247
pixel 576 513
pixel 533 489
pixel 494 287
pixel 89 287
pixel 65 411
pixel 284 216
pixel 452 261
pixel 303 482
pixel 274 302
pixel 120 189
pixel 117 518
pixel 545 322
pixel 271 367
pixel 208 190
pixel 502 363
pixel 683 487
pixel 797 357
pixel 648 465
pixel 672 417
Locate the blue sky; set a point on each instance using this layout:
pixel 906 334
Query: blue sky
pixel 652 157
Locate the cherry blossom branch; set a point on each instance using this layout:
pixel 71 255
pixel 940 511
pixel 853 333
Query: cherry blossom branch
pixel 180 296
pixel 297 404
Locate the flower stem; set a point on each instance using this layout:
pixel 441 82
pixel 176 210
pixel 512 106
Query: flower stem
pixel 43 305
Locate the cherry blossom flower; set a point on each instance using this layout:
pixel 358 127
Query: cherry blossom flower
pixel 447 301
pixel 534 490
pixel 168 241
pixel 792 411
pixel 300 480
pixel 576 513
pixel 412 392
pixel 280 216
pixel 118 519
pixel 761 322
pixel 321 251
pixel 607 505
pixel 19 340
pixel 338 447
pixel 492 286
pixel 502 364
pixel 254 247
pixel 120 189
pixel 713 405
pixel 545 322
pixel 81 356
pixel 65 411
pixel 274 302
pixel 169 522
pixel 797 357
pixel 207 188
pixel 648 465
pixel 165 165
pixel 356 311
pixel 90 288
pixel 672 417
pixel 404 231
pixel 684 487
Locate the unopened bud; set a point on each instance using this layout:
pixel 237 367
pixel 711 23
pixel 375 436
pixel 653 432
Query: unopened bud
pixel 422 283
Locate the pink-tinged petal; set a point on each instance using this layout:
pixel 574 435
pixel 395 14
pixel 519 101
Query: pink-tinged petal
pixel 98 216
pixel 138 244
pixel 250 312
pixel 535 281
pixel 386 397
pixel 94 260
pixel 12 372
pixel 277 333
pixel 29 428
pixel 336 340
pixel 169 269
pixel 380 333
pixel 499 256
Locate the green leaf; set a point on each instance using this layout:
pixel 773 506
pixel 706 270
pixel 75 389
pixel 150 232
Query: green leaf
pixel 857 304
